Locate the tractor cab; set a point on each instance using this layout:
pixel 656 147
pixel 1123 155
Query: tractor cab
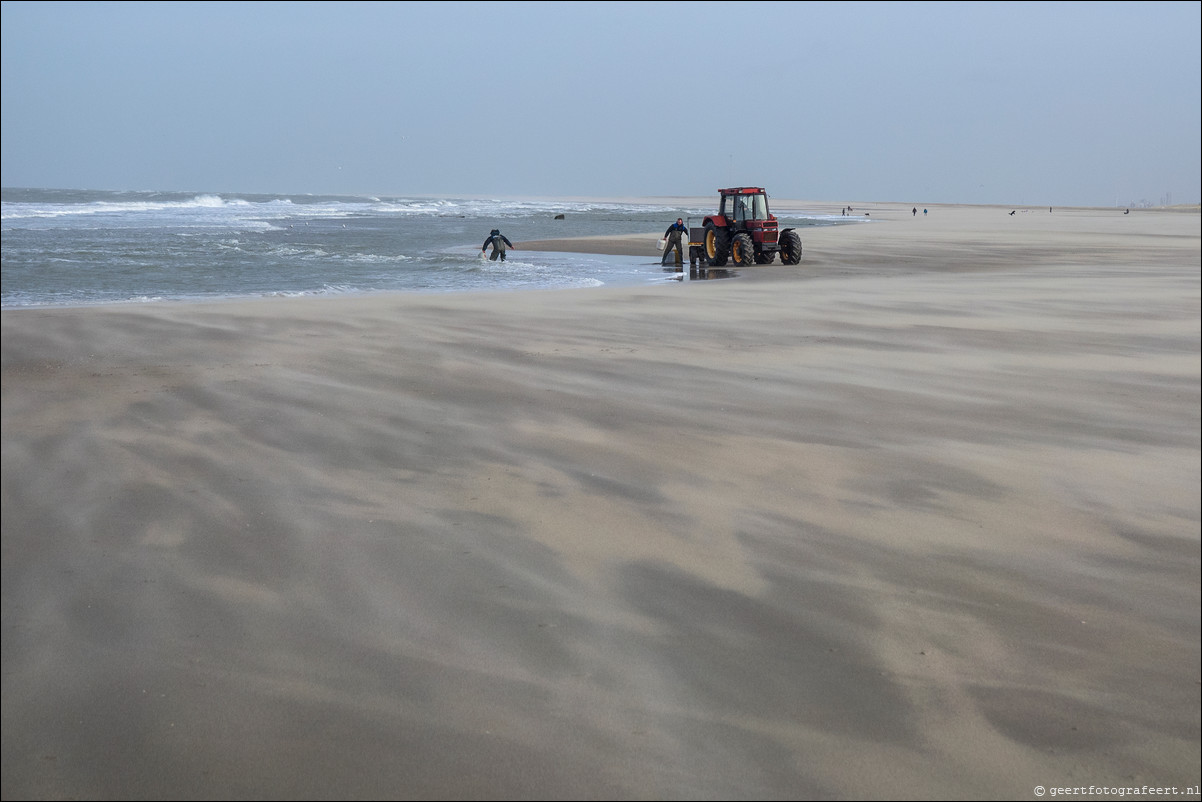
pixel 746 205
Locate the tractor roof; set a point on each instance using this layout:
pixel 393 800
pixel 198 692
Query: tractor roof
pixel 741 191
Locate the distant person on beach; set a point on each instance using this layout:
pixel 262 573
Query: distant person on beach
pixel 914 212
pixel 672 235
pixel 499 243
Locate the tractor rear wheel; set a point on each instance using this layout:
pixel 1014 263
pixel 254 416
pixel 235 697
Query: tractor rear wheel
pixel 742 249
pixel 790 248
pixel 717 245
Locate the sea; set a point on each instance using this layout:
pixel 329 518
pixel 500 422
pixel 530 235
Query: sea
pixel 81 248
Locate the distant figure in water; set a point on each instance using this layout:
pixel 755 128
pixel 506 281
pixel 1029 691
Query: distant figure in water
pixel 1012 213
pixel 1127 212
pixel 499 242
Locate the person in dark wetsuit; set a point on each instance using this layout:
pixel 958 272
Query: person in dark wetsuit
pixel 672 235
pixel 499 243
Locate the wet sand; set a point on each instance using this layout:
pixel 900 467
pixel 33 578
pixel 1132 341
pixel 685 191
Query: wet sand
pixel 917 518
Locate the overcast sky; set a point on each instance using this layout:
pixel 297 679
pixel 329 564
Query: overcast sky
pixel 1012 103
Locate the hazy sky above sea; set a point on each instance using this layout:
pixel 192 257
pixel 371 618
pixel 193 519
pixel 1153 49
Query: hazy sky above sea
pixel 1043 103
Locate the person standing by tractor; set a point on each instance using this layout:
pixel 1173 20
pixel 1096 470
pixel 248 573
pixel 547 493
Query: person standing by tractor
pixel 499 243
pixel 672 235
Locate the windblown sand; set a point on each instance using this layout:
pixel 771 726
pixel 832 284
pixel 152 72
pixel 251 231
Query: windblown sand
pixel 916 518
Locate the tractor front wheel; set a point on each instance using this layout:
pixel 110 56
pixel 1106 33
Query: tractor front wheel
pixel 717 245
pixel 742 249
pixel 790 248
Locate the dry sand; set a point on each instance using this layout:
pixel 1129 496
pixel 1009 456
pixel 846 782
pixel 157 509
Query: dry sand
pixel 916 518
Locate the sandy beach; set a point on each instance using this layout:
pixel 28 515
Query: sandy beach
pixel 916 518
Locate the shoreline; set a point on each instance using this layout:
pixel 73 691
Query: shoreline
pixel 992 237
pixel 824 249
pixel 917 517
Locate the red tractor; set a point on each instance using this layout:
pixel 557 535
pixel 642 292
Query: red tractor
pixel 745 232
